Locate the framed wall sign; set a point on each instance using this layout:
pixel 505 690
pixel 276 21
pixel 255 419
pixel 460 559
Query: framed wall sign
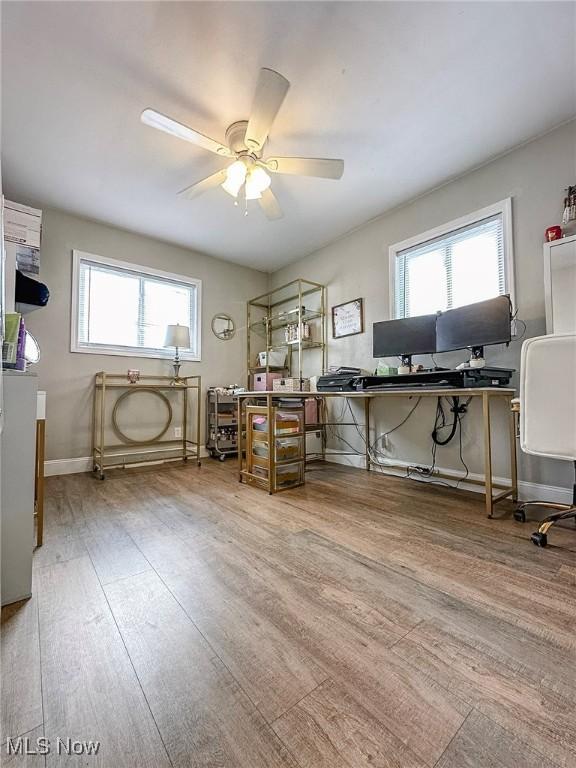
pixel 348 319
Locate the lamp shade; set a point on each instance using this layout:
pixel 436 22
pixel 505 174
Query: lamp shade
pixel 177 336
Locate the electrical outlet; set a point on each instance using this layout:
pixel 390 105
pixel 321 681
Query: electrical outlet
pixel 177 433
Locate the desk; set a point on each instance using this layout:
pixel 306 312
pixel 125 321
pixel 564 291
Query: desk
pixel 486 394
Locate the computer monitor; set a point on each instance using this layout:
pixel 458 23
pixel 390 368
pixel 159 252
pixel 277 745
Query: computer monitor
pixel 475 325
pixel 408 336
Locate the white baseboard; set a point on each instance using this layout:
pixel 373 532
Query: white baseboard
pixel 67 466
pixel 526 490
pixel 84 464
pixel 556 493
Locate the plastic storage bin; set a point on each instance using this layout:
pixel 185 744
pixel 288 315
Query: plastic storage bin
pixel 288 448
pixel 260 449
pixel 288 422
pixel 258 422
pixel 289 474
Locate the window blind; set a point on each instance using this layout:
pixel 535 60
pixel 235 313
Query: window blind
pixel 126 309
pixel 462 267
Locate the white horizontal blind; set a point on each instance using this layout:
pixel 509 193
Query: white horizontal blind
pixel 462 267
pixel 124 309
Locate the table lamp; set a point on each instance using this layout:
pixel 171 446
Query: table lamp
pixel 177 336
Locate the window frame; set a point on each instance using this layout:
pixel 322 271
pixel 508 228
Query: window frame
pixel 77 346
pixel 503 207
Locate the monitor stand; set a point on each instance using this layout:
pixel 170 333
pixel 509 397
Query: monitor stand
pixel 405 366
pixel 477 358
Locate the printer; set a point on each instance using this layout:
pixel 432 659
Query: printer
pixel 343 379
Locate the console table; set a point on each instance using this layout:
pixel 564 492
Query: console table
pixel 133 450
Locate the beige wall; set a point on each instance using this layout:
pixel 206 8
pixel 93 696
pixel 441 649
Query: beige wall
pixel 534 176
pixel 68 376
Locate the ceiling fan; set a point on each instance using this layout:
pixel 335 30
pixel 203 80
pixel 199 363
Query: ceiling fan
pixel 247 177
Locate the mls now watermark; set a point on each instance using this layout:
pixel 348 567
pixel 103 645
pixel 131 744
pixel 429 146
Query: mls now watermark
pixel 24 745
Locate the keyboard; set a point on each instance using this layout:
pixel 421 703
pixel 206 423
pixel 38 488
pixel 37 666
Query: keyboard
pixel 416 385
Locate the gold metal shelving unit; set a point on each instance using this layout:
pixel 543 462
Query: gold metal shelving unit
pixel 269 314
pixel 106 455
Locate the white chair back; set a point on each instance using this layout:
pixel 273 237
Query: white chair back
pixel 548 396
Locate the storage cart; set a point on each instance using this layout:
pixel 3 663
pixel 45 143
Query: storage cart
pixel 275 452
pixel 221 424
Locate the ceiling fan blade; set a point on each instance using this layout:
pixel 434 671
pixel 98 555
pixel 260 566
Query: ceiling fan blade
pixel 270 205
pixel 321 167
pixel 174 128
pixel 271 91
pixel 204 185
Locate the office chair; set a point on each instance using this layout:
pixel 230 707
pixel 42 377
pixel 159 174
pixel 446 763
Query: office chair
pixel 548 414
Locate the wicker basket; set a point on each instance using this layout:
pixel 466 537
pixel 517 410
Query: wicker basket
pixel 291 385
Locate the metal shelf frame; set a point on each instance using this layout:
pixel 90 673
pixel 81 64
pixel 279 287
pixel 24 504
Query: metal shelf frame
pixel 112 455
pixel 272 312
pixel 217 446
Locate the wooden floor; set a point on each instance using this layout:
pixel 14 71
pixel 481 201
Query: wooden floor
pixel 183 619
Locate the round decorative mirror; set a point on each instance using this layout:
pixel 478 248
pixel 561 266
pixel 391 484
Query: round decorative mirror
pixel 31 349
pixel 223 327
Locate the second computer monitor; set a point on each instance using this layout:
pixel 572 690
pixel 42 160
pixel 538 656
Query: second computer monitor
pixel 408 336
pixel 475 325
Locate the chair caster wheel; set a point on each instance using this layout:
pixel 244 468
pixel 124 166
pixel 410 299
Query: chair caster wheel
pixel 222 457
pixel 539 539
pixel 520 516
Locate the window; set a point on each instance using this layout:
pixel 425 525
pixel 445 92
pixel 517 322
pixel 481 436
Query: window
pixel 123 309
pixel 462 262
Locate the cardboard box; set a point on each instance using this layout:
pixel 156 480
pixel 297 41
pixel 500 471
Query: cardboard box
pixel 22 224
pixel 264 382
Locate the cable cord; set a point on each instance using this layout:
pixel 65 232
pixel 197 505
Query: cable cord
pixel 378 458
pixel 440 423
pixel 515 317
pixel 375 454
pixel 441 417
pixel 462 479
pixel 401 424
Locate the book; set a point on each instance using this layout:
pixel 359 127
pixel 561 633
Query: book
pixel 14 343
pixel 10 341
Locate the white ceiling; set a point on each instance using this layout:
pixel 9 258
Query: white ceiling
pixel 409 94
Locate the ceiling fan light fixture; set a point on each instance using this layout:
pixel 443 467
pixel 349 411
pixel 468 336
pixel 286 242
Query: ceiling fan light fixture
pixel 257 182
pixel 251 193
pixel 235 177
